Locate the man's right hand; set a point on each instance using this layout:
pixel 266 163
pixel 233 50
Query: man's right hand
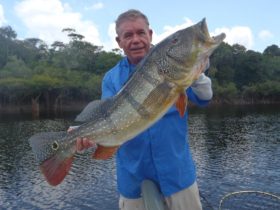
pixel 82 143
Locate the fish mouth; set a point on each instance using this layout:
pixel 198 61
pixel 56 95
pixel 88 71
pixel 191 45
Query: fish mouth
pixel 219 38
pixel 215 39
pixel 204 28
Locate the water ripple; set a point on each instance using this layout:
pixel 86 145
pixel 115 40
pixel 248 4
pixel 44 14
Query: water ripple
pixel 233 151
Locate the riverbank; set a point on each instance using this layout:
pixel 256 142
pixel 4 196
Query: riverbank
pixel 26 111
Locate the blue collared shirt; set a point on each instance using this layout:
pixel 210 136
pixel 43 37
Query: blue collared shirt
pixel 161 153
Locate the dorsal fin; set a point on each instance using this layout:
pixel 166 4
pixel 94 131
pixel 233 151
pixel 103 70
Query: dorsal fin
pixel 87 112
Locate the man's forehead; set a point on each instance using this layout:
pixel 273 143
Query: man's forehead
pixel 132 25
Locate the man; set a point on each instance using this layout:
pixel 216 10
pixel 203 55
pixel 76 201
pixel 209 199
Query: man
pixel 161 153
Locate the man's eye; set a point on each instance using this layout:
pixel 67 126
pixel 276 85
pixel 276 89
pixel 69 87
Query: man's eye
pixel 126 36
pixel 142 33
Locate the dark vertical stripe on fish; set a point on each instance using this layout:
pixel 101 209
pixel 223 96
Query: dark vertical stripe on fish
pixel 141 110
pixel 153 81
pixel 161 93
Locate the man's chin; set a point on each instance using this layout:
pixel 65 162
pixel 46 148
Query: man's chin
pixel 137 59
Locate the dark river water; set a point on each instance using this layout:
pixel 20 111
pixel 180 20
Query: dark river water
pixel 235 149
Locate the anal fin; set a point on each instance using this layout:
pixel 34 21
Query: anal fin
pixel 104 153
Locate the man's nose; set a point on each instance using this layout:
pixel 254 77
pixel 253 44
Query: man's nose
pixel 135 38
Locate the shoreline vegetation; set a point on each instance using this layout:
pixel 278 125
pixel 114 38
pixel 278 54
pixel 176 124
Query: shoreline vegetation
pixel 39 78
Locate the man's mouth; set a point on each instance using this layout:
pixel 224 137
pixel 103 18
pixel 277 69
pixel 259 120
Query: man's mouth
pixel 137 49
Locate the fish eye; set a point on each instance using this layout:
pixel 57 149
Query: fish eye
pixel 55 145
pixel 174 41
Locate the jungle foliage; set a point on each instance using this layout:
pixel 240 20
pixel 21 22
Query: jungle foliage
pixel 245 76
pixel 32 71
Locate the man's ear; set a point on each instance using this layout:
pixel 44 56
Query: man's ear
pixel 118 41
pixel 151 34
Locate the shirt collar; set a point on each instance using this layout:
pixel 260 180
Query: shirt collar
pixel 130 66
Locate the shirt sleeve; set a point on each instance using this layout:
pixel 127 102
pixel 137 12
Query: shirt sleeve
pixel 202 87
pixel 195 99
pixel 107 87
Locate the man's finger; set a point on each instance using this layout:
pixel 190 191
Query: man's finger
pixel 71 128
pixel 79 145
pixel 87 143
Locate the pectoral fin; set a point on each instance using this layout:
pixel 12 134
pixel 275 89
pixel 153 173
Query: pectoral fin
pixel 181 104
pixel 104 153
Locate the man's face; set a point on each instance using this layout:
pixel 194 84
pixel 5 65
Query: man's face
pixel 134 37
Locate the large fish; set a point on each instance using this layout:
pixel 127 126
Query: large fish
pixel 159 81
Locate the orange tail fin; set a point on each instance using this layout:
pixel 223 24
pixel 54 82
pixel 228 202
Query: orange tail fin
pixel 56 168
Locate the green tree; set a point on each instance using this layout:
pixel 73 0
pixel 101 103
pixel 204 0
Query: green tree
pixel 8 32
pixel 105 61
pixel 248 69
pixel 7 35
pixel 272 50
pixel 222 60
pixel 15 67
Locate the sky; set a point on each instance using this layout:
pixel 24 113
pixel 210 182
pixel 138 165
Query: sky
pixel 252 23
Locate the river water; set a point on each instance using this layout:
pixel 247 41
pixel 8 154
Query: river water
pixel 235 149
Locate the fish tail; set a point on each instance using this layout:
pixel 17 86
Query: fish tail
pixel 54 162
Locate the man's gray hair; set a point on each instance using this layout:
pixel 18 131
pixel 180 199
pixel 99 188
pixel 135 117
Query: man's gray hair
pixel 131 14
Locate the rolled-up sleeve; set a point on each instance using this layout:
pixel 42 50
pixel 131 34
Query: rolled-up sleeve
pixel 203 87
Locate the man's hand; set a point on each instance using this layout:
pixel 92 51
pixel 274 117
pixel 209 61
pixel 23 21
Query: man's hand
pixel 82 143
pixel 202 87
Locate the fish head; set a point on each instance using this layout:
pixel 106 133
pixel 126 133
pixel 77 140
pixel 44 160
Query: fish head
pixel 54 154
pixel 48 144
pixel 184 53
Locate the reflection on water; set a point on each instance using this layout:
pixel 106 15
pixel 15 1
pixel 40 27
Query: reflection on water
pixel 90 184
pixel 234 149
